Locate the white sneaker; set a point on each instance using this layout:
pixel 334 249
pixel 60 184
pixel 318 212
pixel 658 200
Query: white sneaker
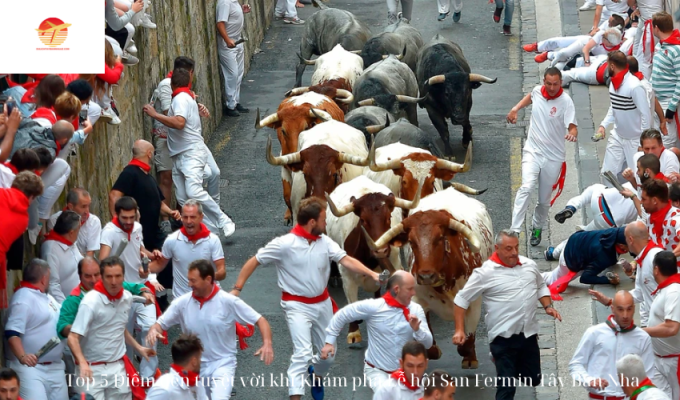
pixel 132 48
pixel 107 113
pixel 34 233
pixel 147 23
pixel 587 6
pixel 227 230
pixel 129 59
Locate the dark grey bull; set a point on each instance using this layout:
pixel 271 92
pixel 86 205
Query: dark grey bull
pixel 327 28
pixel 398 38
pixel 404 132
pixel 389 84
pixel 446 83
pixel 370 116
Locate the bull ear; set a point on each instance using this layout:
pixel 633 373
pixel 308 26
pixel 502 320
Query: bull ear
pixel 296 167
pixel 444 174
pixel 400 240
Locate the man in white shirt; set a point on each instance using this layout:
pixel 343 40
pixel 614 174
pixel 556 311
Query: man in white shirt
pixel 607 206
pixel 79 200
pixel 594 362
pixel 629 112
pixel 664 323
pixel 651 142
pixel 229 27
pixel 635 381
pixel 193 241
pixel 643 47
pixel 181 382
pixel 509 285
pixel 98 336
pixel 606 8
pixel 406 383
pixel 124 227
pixel 62 255
pixel 214 315
pixel 302 259
pixel 391 321
pixel 544 154
pixel 31 323
pixel 658 117
pixel 191 158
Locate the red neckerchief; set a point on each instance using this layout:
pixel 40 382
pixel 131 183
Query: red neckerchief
pixel 99 286
pixel 675 278
pixel 169 75
pixel 545 94
pixel 662 177
pixel 117 223
pixel 137 163
pixel 656 219
pixel 644 385
pixel 28 285
pixel 203 300
pixel 298 230
pixel 201 234
pixel 183 90
pixel 494 257
pixel 12 167
pixel 392 302
pixel 617 79
pixel 613 48
pixel 47 113
pixel 58 146
pixel 638 75
pixel 616 327
pixel 52 235
pixel 641 257
pixel 400 377
pixel 189 377
pixel 673 39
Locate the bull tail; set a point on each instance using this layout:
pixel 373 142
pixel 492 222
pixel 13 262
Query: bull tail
pixel 319 4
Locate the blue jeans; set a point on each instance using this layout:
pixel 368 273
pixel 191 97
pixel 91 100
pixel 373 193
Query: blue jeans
pixel 509 9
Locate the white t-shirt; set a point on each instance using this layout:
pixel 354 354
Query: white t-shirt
pixel 231 13
pixel 182 253
pixel 171 386
pixel 89 235
pixel 6 177
pixel 549 121
pixel 668 160
pixel 390 389
pixel 214 324
pixel 647 9
pixel 666 306
pixel 645 283
pixel 34 314
pixel 182 140
pixel 63 261
pixel 620 7
pixel 302 268
pixel 112 235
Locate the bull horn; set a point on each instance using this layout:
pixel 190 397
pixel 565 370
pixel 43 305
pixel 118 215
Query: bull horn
pixel 259 124
pixel 455 167
pixel 373 129
pixel 281 160
pixel 351 159
pixel 482 78
pixel 344 96
pixel 354 51
pixel 297 91
pixel 409 205
pixel 384 239
pixel 367 102
pixel 320 114
pixel 467 189
pixel 436 79
pixel 375 167
pixel 408 99
pixel 305 61
pixel 473 239
pixel 339 212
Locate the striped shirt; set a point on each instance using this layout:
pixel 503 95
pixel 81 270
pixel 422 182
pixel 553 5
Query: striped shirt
pixel 666 75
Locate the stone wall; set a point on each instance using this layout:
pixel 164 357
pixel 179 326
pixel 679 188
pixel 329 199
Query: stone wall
pixel 184 27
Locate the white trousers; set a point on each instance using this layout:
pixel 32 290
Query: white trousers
pixel 54 179
pixel 643 56
pixel 670 140
pixel 42 382
pixel 231 64
pixel 535 170
pixel 286 8
pixel 665 377
pixel 590 198
pixel 219 382
pixel 110 382
pixel 619 150
pixel 140 321
pixel 188 171
pixel 587 75
pixel 560 42
pixel 564 53
pixel 374 376
pixel 561 270
pixel 307 324
pixel 445 5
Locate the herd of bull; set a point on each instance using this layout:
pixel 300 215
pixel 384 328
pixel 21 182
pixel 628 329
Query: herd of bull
pixel 393 193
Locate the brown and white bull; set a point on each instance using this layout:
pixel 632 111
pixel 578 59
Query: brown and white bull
pixel 363 204
pixel 328 154
pixel 293 116
pixel 449 235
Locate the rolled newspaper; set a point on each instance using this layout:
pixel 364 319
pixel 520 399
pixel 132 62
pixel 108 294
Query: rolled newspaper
pixel 138 299
pixel 51 344
pixel 518 123
pixel 121 247
pixel 612 179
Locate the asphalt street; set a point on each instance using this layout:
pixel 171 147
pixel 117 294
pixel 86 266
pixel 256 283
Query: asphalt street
pixel 252 195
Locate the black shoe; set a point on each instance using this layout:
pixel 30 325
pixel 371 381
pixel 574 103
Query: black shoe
pixel 442 16
pixel 535 237
pixel 456 16
pixel 497 15
pixel 229 112
pixel 565 214
pixel 506 30
pixel 241 109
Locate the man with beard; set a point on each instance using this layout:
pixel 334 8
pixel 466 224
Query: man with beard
pixel 406 383
pixel 302 259
pixel 594 362
pixel 647 168
pixel 79 200
pixel 664 219
pixel 181 382
pixel 651 142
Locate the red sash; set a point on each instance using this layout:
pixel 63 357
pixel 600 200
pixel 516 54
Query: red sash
pixel 150 286
pixel 285 296
pixel 559 185
pixel 599 75
pixel 134 380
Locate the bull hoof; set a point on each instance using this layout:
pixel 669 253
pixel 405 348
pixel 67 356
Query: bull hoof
pixel 434 353
pixel 354 337
pixel 470 364
pixel 288 218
